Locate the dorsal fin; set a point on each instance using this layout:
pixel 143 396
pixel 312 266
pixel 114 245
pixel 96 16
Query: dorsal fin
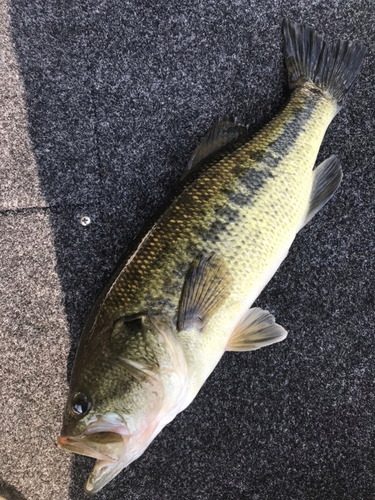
pixel 206 287
pixel 327 178
pixel 222 133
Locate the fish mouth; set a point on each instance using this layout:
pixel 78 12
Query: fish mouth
pixel 109 450
pixel 106 446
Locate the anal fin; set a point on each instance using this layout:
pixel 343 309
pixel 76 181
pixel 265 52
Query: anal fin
pixel 256 329
pixel 327 178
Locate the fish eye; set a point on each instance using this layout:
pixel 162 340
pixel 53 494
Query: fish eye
pixel 80 404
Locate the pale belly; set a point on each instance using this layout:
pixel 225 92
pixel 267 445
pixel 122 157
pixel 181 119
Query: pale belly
pixel 204 350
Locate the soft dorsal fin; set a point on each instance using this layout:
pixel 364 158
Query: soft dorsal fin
pixel 256 329
pixel 327 178
pixel 206 287
pixel 222 133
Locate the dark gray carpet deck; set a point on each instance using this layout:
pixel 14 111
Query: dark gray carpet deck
pixel 102 102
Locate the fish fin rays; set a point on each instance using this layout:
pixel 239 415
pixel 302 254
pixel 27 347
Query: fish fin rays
pixel 327 178
pixel 206 287
pixel 330 67
pixel 257 328
pixel 222 134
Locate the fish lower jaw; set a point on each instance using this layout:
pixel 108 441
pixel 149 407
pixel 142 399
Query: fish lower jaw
pixel 104 470
pixel 102 473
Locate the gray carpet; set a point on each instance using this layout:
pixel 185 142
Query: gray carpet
pixel 102 104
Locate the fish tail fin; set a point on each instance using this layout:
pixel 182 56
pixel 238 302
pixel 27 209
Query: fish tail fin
pixel 331 67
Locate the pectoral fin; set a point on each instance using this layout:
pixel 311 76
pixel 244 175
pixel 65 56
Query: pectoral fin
pixel 206 286
pixel 256 329
pixel 327 178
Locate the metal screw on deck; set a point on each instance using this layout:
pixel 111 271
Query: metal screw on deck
pixel 85 220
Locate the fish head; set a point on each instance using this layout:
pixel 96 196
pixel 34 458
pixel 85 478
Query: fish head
pixel 126 386
pixel 100 430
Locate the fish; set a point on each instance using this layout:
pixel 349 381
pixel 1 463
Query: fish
pixel 182 295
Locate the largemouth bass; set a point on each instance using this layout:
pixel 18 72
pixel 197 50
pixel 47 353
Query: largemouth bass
pixel 183 295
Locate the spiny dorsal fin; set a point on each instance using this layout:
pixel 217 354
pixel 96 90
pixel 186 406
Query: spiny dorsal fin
pixel 256 329
pixel 220 135
pixel 327 178
pixel 206 287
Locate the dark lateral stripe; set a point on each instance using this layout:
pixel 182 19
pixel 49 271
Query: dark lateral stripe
pixel 252 180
